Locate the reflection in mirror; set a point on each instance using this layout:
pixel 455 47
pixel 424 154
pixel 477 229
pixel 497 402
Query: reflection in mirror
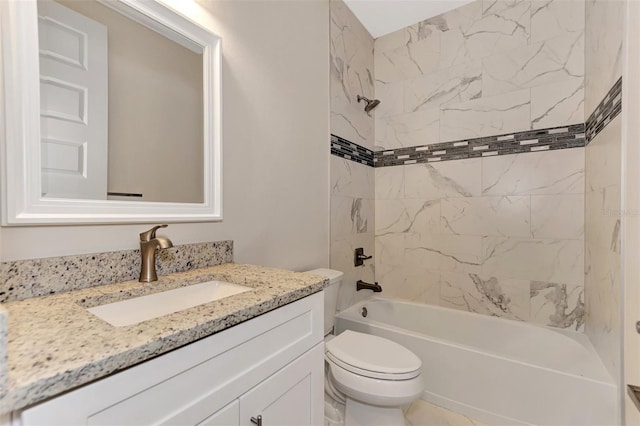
pixel 121 106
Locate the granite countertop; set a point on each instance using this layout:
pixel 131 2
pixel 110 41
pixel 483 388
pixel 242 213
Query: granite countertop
pixel 55 344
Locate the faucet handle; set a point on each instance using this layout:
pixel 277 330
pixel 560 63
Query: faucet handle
pixel 151 233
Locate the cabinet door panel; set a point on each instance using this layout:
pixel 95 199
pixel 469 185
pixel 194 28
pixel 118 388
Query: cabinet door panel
pixel 290 397
pixel 228 416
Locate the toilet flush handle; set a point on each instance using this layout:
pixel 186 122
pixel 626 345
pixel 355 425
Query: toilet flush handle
pixel 257 420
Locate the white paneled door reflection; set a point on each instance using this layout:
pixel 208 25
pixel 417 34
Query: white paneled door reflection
pixel 73 103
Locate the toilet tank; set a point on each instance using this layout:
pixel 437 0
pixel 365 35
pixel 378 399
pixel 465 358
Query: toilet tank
pixel 330 295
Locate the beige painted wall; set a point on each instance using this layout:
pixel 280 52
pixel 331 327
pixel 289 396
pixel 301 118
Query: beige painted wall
pixel 275 140
pixel 155 110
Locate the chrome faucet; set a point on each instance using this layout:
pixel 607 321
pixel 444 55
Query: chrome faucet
pixel 149 244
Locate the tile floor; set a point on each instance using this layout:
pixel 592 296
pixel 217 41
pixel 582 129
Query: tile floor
pixel 421 413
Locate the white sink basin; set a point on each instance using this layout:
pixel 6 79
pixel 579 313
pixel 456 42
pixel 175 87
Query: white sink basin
pixel 138 309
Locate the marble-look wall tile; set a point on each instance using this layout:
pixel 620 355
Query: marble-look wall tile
pixel 407 216
pixel 351 62
pixel 408 61
pixel 551 172
pixel 415 284
pixel 557 305
pixel 351 179
pixel 546 62
pixel 487 216
pixel 603 280
pixel 557 216
pixel 486 116
pixel 486 230
pixel 542 260
pixel 391 41
pixel 391 97
pixel 492 244
pixel 476 33
pixel 351 215
pixel 411 129
pixel 483 69
pixel 443 180
pixel 557 104
pixel 454 84
pixel 551 18
pixel 603 49
pixel 390 249
pixel 352 220
pixel 454 253
pixel 488 295
pixel 389 183
pixel 352 225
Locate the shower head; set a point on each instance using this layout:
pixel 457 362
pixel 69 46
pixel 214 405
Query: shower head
pixel 370 103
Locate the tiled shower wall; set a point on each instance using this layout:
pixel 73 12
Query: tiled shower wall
pixel 501 236
pixel 603 279
pixel 488 68
pixel 352 197
pixel 497 235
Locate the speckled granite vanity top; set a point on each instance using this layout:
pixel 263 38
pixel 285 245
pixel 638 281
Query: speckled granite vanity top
pixel 54 344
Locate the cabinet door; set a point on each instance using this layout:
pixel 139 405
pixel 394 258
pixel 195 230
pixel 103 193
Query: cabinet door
pixel 227 416
pixel 291 397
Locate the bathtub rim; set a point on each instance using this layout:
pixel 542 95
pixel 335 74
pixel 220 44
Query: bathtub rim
pixel 356 316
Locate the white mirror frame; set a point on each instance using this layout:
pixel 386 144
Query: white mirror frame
pixel 22 203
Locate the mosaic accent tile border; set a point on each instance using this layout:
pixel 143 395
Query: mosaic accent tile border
pixel 564 137
pixel 351 151
pixel 24 279
pixel 605 112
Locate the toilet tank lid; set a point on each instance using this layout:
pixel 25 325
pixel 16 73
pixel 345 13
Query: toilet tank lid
pixel 333 275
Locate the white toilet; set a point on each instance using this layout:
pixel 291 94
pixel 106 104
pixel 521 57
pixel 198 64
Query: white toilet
pixel 373 376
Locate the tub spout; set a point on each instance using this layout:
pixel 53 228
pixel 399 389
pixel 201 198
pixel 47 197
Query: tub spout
pixel 361 285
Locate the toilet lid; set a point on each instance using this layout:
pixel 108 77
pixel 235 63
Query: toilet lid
pixel 372 354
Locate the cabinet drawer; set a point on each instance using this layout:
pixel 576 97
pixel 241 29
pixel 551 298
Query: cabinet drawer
pixel 189 384
pixel 294 396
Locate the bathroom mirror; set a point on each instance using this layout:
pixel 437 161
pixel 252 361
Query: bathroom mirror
pixel 112 113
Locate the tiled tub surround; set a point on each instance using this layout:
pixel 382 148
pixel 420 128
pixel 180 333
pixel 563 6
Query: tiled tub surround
pixel 352 225
pixel 351 151
pixel 603 280
pixel 530 141
pixel 499 235
pixel 40 277
pixel 352 141
pixel 605 112
pixel 55 344
pixel 483 69
pixel 351 66
pixel 603 49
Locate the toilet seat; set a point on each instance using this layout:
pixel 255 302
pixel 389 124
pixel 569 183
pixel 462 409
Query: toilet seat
pixel 372 356
pixel 368 373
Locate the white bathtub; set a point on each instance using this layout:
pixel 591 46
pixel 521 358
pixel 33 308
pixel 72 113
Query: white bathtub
pixel 498 371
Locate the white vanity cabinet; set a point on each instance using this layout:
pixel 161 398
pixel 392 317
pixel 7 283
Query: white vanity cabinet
pixel 270 366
